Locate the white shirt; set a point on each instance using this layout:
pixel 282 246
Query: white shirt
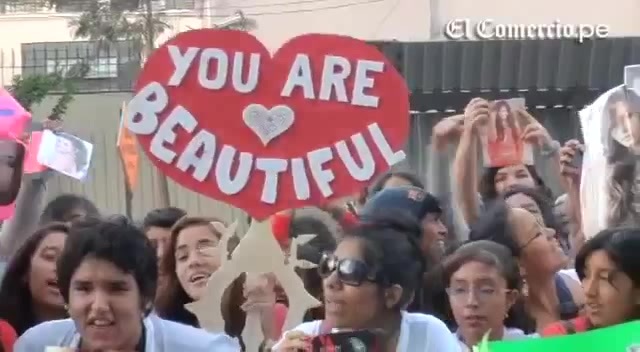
pixel 418 333
pixel 160 336
pixel 509 334
pixel 570 273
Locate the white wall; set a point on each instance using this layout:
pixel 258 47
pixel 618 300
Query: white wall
pixel 411 20
pixel 16 29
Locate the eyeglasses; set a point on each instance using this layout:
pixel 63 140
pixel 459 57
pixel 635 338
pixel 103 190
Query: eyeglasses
pixel 482 294
pixel 203 249
pixel 352 272
pixel 547 233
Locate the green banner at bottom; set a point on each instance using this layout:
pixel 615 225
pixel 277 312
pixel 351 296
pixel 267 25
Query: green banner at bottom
pixel 619 338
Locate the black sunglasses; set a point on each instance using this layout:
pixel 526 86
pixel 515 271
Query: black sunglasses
pixel 352 272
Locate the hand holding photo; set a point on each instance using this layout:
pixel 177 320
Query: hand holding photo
pixel 65 153
pixel 502 142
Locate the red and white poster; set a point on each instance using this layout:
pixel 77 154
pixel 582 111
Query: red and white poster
pixel 316 121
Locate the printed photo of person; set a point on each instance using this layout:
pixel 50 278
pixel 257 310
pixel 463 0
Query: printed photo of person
pixel 501 139
pixel 623 159
pixel 66 154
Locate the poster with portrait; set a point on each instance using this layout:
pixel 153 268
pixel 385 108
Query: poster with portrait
pixel 65 153
pixel 501 137
pixel 611 130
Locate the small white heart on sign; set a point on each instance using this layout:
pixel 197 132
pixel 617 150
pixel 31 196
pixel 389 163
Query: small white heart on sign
pixel 268 124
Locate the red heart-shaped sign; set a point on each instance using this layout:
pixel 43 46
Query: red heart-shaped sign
pixel 216 113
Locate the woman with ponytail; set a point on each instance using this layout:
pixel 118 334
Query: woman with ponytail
pixel 368 281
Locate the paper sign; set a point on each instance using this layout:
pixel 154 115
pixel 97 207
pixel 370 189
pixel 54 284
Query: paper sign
pixel 632 78
pixel 318 120
pixel 128 150
pixel 13 127
pixel 31 164
pixel 619 338
pixel 13 117
pixel 6 211
pixel 66 154
pixel 610 183
pixel 502 143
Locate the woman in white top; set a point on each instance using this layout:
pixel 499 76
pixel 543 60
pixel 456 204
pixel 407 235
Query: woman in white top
pixel 483 285
pixel 367 281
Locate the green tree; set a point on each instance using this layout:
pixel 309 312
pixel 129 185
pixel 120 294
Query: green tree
pixel 31 90
pixel 107 22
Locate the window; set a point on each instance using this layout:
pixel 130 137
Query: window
pixel 22 6
pixel 126 5
pixel 93 68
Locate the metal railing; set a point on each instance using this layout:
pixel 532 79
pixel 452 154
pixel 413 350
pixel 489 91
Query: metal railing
pixel 8 7
pixel 93 69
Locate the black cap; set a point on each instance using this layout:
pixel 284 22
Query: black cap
pixel 412 200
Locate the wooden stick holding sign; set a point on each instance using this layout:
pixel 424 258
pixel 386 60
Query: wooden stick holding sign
pixel 257 253
pixel 315 122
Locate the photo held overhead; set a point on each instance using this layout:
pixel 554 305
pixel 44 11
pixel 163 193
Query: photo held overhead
pixel 216 112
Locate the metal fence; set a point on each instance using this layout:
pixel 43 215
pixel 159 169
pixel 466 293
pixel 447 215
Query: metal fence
pixel 92 67
pixel 75 6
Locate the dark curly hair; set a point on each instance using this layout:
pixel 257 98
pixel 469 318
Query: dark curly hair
pixel 117 241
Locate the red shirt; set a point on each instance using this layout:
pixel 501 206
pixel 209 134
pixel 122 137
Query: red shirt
pixel 560 328
pixel 8 336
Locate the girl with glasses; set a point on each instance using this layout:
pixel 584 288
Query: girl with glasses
pixel 548 295
pixel 367 282
pixel 483 285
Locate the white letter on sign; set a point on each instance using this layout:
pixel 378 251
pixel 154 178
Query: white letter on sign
pixel 181 63
pixel 222 68
pixel 272 168
pixel 332 79
pixel 362 81
pixel 148 109
pixel 365 172
pixel 178 117
pixel 226 184
pixel 317 158
pixel 299 75
pixel 381 142
pixel 202 164
pixel 252 76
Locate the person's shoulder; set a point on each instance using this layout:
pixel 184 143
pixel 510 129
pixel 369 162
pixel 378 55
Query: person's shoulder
pixel 427 333
pixel 311 328
pixel 429 321
pixel 50 333
pixel 187 338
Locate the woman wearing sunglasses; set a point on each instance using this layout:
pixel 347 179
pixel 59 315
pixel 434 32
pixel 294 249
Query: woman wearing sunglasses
pixel 367 282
